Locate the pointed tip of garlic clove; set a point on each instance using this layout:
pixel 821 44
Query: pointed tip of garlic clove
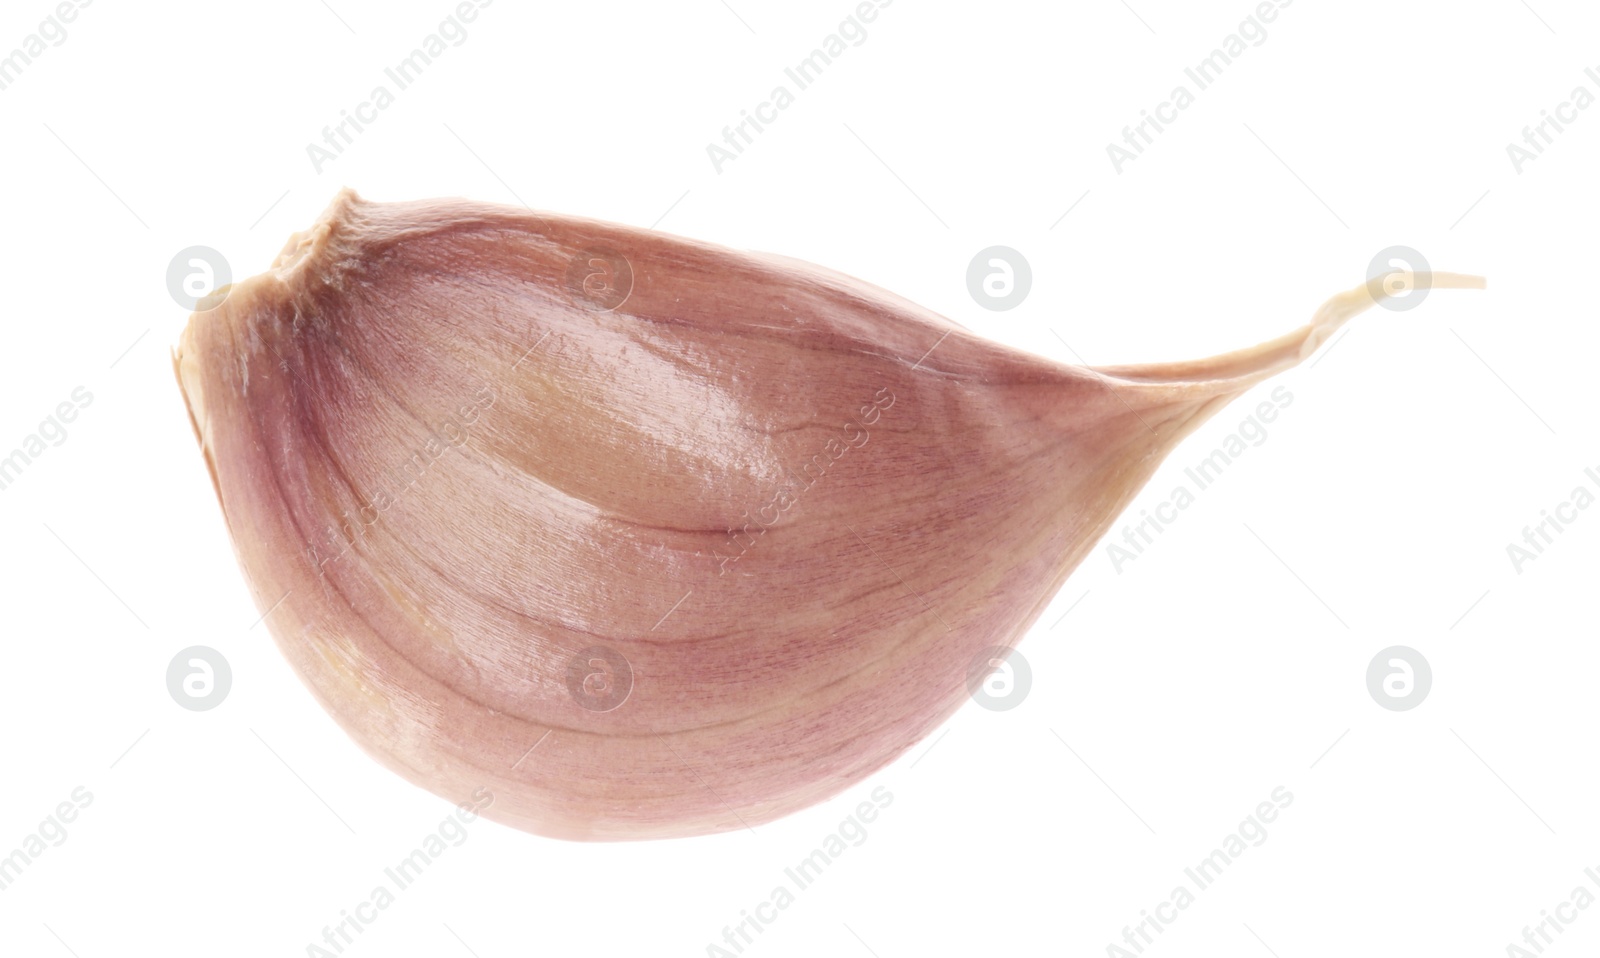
pixel 1374 292
pixel 1240 369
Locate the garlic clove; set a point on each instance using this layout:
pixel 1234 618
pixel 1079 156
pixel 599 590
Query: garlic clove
pixel 649 537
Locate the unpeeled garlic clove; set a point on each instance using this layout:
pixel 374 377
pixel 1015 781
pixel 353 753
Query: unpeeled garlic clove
pixel 650 537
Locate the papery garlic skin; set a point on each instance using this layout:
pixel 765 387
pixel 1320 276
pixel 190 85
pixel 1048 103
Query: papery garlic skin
pixel 487 466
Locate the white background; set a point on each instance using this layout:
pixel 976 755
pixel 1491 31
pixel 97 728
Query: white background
pixel 1227 660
